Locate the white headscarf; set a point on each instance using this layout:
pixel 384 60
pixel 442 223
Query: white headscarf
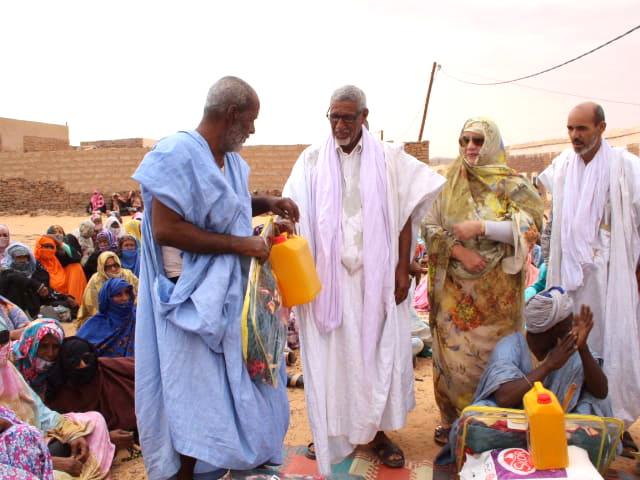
pixel 548 308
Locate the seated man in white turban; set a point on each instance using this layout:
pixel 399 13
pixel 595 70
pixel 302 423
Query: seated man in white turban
pixel 553 351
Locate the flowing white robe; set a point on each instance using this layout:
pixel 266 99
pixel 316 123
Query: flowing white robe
pixel 345 406
pixel 609 285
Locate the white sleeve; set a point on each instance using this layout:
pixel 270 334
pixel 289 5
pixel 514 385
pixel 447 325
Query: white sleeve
pixel 499 231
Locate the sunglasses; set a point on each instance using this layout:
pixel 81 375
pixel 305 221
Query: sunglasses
pixel 477 141
pixel 112 266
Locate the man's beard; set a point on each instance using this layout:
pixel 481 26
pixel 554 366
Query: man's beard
pixel 234 139
pixel 343 142
pixel 581 150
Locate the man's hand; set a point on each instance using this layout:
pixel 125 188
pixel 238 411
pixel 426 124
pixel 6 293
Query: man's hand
pixel 255 246
pixel 561 352
pixel 402 283
pixel 285 207
pixel 582 325
pixel 471 260
pixel 285 225
pixel 79 449
pixel 468 230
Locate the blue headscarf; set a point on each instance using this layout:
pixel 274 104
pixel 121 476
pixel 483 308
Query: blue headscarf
pixel 130 259
pixel 112 329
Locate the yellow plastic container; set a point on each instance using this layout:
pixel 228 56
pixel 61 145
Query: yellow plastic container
pixel 546 435
pixel 295 270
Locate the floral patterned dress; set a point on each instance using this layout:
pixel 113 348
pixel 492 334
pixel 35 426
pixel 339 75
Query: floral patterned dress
pixel 23 452
pixel 471 312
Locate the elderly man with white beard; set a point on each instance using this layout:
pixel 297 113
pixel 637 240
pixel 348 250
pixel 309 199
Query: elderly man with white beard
pixel 199 413
pixel 361 202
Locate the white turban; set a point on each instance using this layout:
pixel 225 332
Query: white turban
pixel 547 309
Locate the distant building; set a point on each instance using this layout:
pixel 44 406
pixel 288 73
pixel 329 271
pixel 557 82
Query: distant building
pixel 24 136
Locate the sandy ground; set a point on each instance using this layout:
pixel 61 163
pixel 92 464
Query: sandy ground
pixel 416 439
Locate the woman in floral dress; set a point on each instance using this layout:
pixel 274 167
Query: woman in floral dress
pixel 477 250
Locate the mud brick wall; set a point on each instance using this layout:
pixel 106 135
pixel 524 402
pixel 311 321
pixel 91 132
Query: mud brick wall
pixel 44 144
pixel 63 180
pixel 420 150
pixel 121 143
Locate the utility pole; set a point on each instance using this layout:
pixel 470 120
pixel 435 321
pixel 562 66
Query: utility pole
pixel 426 103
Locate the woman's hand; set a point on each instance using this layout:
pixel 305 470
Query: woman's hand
pixel 68 465
pixel 472 261
pixel 79 449
pixel 468 230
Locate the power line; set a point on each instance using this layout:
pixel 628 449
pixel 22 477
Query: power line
pixel 555 92
pixel 637 27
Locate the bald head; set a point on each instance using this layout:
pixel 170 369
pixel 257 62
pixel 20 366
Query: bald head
pixel 590 108
pixel 585 126
pixel 230 92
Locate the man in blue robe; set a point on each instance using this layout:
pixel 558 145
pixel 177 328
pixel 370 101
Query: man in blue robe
pixel 199 414
pixel 553 351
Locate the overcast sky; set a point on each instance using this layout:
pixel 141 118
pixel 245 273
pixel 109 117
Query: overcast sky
pixel 142 68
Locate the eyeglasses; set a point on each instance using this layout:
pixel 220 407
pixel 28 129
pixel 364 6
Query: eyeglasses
pixel 334 118
pixel 477 141
pixel 112 266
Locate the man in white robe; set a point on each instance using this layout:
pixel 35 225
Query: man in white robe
pixel 361 203
pixel 595 246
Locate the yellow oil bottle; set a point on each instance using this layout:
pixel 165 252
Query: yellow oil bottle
pixel 295 270
pixel 546 435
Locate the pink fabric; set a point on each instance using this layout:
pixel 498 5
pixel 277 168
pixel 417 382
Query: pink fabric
pixel 9 384
pixel 532 271
pixel 98 440
pixel 327 206
pixel 421 296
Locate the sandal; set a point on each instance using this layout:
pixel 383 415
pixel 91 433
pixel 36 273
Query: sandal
pixel 295 381
pixel 629 447
pixel 441 435
pixel 310 453
pixel 386 450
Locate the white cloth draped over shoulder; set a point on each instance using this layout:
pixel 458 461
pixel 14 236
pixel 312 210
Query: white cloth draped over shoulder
pixel 608 284
pixel 348 401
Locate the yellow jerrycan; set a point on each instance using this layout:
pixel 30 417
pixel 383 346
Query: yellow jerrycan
pixel 295 270
pixel 546 436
